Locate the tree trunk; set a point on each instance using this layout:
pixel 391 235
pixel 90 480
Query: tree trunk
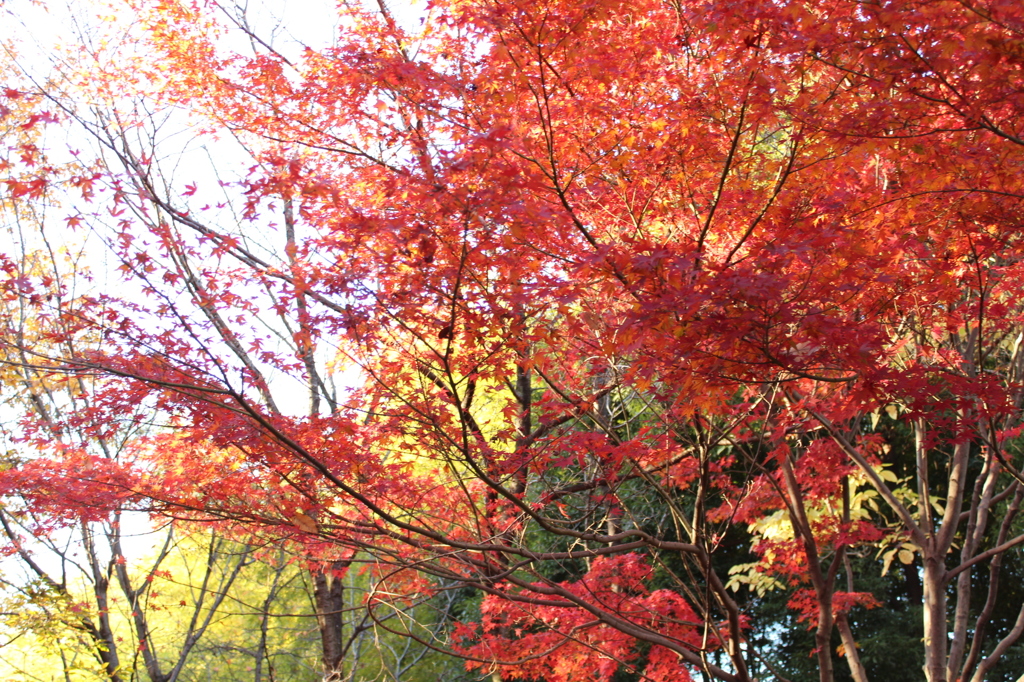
pixel 934 619
pixel 850 645
pixel 329 596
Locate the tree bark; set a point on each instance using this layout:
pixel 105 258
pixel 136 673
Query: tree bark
pixel 329 595
pixel 934 618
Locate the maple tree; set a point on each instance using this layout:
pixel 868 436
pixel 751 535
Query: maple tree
pixel 621 281
pixel 69 541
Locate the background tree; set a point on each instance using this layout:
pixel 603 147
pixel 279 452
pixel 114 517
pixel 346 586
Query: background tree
pixel 620 281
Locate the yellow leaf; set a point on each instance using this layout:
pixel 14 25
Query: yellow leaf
pixel 305 523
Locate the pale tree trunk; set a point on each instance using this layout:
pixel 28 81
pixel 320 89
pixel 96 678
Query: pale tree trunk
pixel 977 524
pixel 934 619
pixel 857 670
pixel 1001 648
pixel 850 645
pixel 981 625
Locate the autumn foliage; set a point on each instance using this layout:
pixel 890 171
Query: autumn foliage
pixel 615 284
